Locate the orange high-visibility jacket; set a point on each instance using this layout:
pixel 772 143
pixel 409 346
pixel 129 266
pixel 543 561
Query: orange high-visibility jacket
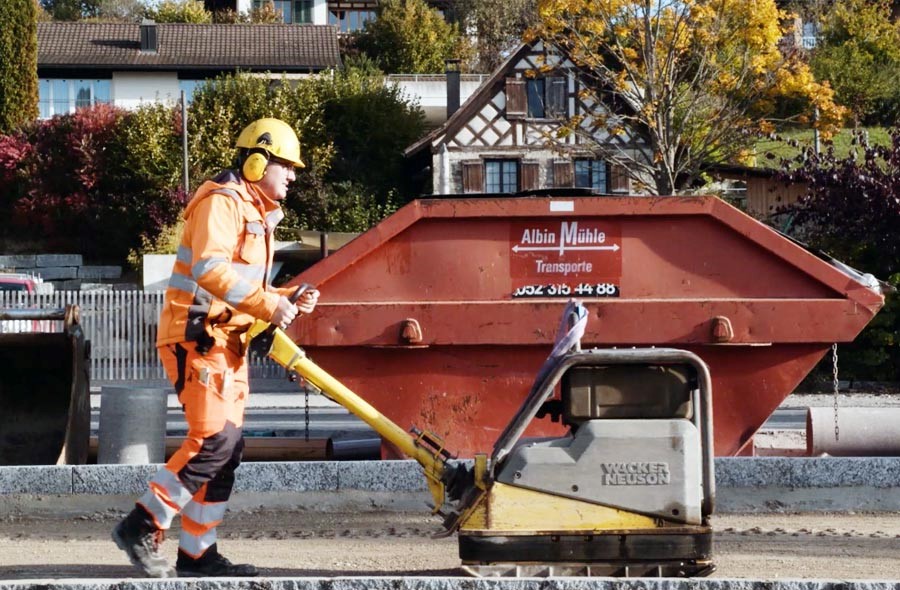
pixel 219 283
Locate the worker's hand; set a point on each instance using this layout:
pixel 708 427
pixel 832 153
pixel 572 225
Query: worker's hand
pixel 284 313
pixel 307 301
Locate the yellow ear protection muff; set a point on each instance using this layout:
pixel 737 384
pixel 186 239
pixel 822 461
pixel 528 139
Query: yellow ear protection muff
pixel 254 166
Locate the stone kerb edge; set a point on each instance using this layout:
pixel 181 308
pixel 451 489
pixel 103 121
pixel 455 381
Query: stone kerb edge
pixel 51 479
pixel 406 476
pixel 453 583
pixel 807 472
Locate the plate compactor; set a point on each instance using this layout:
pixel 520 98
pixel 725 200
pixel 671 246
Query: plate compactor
pixel 627 491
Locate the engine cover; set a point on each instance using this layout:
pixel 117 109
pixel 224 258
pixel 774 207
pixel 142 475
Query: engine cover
pixel 650 466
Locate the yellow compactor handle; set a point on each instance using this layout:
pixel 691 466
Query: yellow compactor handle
pixel 293 358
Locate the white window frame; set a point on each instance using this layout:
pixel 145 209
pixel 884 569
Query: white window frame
pixel 592 164
pixel 503 173
pixel 47 104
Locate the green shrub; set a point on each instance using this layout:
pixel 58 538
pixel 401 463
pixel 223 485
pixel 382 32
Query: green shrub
pixel 852 211
pixel 410 37
pixel 106 182
pixel 18 64
pixel 370 124
pixel 96 184
pixel 352 130
pixel 180 11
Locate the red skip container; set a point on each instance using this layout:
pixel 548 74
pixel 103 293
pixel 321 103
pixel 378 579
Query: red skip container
pixel 441 315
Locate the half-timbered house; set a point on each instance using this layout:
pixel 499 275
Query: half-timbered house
pixel 502 139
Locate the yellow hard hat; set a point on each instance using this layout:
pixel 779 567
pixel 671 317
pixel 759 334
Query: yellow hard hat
pixel 275 138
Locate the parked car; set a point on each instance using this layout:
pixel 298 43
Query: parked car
pixel 19 282
pixel 12 281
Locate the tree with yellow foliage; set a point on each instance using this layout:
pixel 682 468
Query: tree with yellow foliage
pixel 180 11
pixel 674 86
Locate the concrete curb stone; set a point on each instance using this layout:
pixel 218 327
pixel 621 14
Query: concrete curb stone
pixel 52 479
pixel 743 485
pixel 446 583
pixel 807 472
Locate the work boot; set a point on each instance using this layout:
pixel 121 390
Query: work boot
pixel 139 538
pixel 212 564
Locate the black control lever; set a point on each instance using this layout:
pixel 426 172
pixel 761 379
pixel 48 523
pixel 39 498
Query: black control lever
pixel 295 296
pixel 303 288
pixel 264 339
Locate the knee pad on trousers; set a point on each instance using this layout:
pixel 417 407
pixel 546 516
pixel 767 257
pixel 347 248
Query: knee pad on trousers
pixel 219 456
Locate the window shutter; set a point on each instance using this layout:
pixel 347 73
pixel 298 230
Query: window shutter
pixel 557 99
pixel 530 176
pixel 516 103
pixel 619 182
pixel 562 174
pixel 472 177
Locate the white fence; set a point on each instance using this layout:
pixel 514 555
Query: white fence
pixel 121 326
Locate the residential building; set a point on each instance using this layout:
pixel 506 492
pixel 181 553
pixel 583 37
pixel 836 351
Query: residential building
pixel 346 15
pixel 84 63
pixel 81 64
pixel 498 141
pixel 430 91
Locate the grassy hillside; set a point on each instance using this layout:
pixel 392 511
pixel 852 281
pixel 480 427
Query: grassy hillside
pixel 841 141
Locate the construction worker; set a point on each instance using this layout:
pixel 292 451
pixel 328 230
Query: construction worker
pixel 219 286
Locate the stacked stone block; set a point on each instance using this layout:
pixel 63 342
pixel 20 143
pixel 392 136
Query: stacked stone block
pixel 64 271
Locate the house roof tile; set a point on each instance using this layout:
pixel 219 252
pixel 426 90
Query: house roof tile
pixel 255 47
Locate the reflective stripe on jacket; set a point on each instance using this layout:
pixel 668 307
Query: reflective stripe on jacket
pixel 219 282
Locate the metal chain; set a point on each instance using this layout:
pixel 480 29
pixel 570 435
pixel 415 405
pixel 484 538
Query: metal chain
pixel 834 374
pixel 306 411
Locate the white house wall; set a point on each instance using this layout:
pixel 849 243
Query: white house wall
pixel 320 12
pixel 430 92
pixel 488 128
pixel 544 158
pixel 130 90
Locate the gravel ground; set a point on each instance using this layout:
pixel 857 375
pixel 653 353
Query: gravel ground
pixel 301 544
pixel 887 398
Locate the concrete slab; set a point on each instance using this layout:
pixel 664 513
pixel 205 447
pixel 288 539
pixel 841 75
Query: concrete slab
pixel 45 260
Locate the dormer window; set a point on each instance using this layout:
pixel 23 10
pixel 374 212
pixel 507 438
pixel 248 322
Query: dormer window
pixel 547 97
pixel 537 98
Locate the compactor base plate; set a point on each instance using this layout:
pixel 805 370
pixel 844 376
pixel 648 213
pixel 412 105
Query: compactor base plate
pixel 558 570
pixel 622 554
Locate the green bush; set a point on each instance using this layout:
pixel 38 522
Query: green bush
pixel 352 129
pixel 180 11
pixel 410 37
pixel 94 182
pixel 370 124
pixel 18 63
pixel 106 182
pixel 223 106
pixel 341 206
pixel 859 53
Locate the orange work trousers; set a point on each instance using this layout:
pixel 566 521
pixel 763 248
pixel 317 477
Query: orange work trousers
pixel 197 480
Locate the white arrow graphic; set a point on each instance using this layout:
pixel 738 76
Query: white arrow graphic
pixel 517 248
